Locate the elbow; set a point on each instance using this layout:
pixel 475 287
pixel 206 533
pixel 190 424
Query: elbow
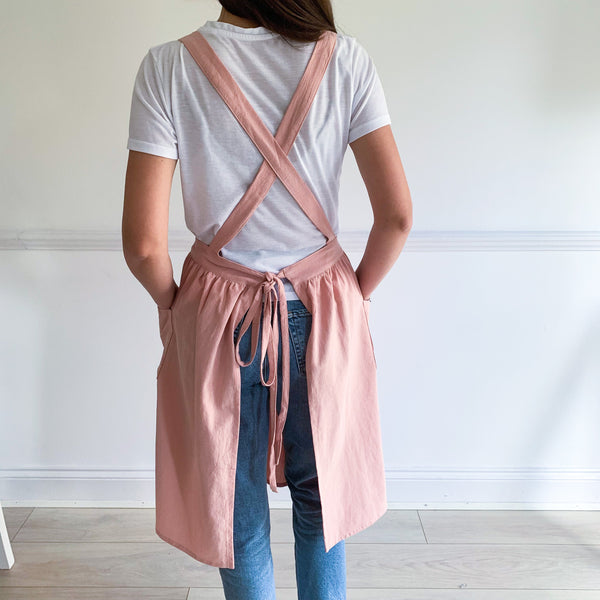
pixel 401 222
pixel 394 213
pixel 136 252
pixel 404 216
pixel 132 251
pixel 139 246
pixel 405 223
pixel 133 257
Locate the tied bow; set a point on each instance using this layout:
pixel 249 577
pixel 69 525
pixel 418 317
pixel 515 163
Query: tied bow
pixel 270 296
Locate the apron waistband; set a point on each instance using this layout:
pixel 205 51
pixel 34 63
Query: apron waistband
pixel 269 305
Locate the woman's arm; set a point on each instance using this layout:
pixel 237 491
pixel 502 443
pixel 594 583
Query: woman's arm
pixel 145 224
pixel 380 166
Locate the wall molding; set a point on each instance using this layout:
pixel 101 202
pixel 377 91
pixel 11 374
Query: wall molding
pixel 351 240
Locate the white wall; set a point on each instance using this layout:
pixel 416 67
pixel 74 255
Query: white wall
pixel 486 331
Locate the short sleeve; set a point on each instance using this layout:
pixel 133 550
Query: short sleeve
pixel 369 106
pixel 151 128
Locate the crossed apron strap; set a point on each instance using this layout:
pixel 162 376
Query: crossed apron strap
pixel 270 295
pixel 273 149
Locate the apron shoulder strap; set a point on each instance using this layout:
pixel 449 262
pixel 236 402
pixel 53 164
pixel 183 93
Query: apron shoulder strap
pixel 273 149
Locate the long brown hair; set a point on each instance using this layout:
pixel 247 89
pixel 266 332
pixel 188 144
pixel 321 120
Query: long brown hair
pixel 299 20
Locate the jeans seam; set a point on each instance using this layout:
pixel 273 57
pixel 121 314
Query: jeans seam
pixel 295 343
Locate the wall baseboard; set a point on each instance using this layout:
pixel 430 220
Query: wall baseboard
pixel 492 489
pixel 351 240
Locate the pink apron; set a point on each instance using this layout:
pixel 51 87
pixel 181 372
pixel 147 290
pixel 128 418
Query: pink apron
pixel 198 378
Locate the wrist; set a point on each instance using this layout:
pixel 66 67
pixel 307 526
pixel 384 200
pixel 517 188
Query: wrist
pixel 173 296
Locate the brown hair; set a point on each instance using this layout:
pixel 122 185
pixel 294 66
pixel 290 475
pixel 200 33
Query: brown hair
pixel 299 20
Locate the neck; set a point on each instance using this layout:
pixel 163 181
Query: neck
pixel 227 17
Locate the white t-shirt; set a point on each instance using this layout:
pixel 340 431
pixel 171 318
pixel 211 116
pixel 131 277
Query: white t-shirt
pixel 177 113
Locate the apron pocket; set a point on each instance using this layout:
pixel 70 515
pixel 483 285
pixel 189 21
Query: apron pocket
pixel 366 308
pixel 165 324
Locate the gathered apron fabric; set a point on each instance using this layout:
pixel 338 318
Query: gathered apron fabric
pixel 198 378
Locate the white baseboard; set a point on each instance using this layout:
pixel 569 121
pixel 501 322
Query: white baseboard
pixel 507 489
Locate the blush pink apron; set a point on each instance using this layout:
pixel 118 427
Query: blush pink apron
pixel 198 378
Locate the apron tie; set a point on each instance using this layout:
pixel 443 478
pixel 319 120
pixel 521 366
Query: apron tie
pixel 269 296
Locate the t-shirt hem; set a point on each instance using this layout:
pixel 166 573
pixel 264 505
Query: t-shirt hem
pixel 151 148
pixel 369 126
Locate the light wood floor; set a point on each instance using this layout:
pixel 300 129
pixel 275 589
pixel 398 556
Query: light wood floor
pixel 114 554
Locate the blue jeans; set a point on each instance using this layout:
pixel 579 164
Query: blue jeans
pixel 320 575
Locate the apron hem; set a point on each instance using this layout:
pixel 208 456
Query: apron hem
pixel 194 555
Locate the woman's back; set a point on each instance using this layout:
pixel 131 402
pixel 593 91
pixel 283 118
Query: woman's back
pixel 215 100
pixel 177 113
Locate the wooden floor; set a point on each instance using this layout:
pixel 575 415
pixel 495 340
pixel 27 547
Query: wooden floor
pixel 89 553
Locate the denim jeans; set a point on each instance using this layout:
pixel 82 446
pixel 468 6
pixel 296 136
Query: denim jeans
pixel 320 575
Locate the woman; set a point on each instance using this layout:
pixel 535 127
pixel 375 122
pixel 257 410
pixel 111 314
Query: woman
pixel 259 108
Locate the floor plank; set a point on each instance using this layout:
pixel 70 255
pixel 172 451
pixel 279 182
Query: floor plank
pixel 103 593
pixel 42 593
pixel 92 554
pixel 511 526
pixel 497 566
